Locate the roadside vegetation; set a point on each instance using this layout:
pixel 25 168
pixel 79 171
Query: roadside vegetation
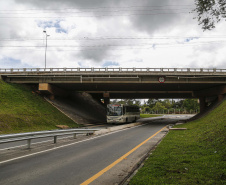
pixel 192 156
pixel 163 106
pixel 22 110
pixel 148 115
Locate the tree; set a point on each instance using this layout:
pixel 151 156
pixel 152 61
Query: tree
pixel 191 104
pixel 159 107
pixel 151 102
pixel 166 103
pixel 210 12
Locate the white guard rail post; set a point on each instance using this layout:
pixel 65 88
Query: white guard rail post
pixel 7 138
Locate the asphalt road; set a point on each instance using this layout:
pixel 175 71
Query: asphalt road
pixel 77 162
pixel 11 145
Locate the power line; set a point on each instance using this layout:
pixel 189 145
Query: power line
pixel 108 11
pixel 91 8
pixel 113 49
pixel 106 15
pixel 116 45
pixel 116 38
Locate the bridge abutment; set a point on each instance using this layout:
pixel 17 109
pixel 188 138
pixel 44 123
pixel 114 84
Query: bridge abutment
pixel 52 90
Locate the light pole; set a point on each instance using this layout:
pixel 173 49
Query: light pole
pixel 46 46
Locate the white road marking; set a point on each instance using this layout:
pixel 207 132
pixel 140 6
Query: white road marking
pixel 67 145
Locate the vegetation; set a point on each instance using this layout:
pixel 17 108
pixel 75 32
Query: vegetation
pixel 163 106
pixel 148 115
pixel 210 12
pixel 192 156
pixel 22 110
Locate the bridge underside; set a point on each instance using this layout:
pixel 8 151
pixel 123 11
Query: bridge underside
pixel 142 90
pixel 128 83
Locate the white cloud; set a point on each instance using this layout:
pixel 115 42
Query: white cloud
pixel 85 34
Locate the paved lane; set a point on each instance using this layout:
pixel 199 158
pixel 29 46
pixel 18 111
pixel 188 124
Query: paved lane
pixel 78 162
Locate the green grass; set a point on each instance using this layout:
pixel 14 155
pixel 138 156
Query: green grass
pixel 22 110
pixel 193 156
pixel 148 115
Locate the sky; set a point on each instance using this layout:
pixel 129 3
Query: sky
pixel 107 33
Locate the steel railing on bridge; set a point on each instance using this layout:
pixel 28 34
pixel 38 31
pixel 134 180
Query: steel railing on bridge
pixel 7 138
pixel 118 70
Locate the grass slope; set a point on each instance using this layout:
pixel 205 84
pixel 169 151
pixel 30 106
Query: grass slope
pixel 193 156
pixel 21 110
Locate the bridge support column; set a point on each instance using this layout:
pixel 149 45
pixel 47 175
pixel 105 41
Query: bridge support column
pixel 202 102
pixel 106 101
pixel 220 97
pixel 106 98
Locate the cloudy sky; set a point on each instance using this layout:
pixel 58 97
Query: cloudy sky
pixel 107 33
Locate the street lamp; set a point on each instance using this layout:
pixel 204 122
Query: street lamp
pixel 46 46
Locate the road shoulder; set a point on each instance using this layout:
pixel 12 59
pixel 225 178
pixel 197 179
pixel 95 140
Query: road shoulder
pixel 124 169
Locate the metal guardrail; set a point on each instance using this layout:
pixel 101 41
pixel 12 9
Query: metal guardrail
pixel 97 70
pixel 7 138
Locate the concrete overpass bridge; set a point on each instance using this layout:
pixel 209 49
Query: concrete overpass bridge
pixel 202 83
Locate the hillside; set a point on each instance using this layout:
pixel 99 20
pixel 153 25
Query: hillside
pixel 192 156
pixel 22 110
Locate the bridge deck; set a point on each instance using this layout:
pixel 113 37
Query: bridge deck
pixel 124 82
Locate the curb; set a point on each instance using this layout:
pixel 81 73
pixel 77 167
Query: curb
pixel 120 127
pixel 111 129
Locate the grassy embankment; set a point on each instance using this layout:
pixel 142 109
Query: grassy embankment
pixel 22 110
pixel 148 115
pixel 192 156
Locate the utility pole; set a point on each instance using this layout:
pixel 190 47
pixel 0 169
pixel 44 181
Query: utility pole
pixel 46 45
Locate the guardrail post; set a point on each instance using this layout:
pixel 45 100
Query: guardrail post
pixel 74 136
pixel 55 139
pixel 42 134
pixel 28 143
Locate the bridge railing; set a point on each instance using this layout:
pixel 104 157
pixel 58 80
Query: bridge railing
pixel 112 70
pixel 7 138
